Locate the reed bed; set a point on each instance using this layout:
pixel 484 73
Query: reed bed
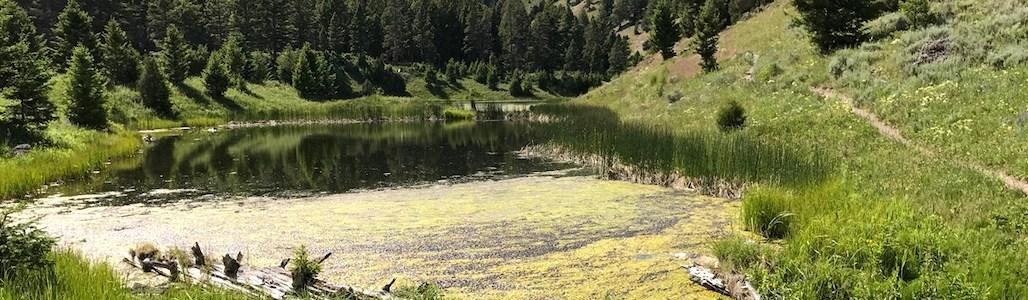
pixel 82 153
pixel 708 156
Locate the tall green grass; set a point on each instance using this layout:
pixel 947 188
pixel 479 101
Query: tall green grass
pixel 74 277
pixel 696 154
pixel 72 153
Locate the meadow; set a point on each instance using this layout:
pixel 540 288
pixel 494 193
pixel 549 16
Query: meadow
pixel 888 221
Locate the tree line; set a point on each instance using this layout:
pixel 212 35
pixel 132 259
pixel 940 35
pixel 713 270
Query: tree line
pixel 324 48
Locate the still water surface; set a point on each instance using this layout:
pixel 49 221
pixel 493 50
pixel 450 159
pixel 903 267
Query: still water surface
pixel 316 158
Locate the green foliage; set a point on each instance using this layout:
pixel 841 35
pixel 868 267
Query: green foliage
pixel 72 276
pixel 303 269
pixel 708 26
pixel 835 24
pixel 120 59
pixel 767 72
pixel 258 67
pixel 71 30
pixel 24 76
pixel 917 11
pixel 304 78
pixel 456 114
pixel 175 55
pixel 153 87
pixel 23 247
pixel 513 33
pixel 216 76
pixel 664 33
pixel 736 253
pixel 234 57
pixel 769 212
pixel 731 117
pixel 86 91
pixel 197 59
pixel 618 56
pixel 285 65
pixel 425 291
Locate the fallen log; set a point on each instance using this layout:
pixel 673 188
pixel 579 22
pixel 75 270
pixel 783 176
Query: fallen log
pixel 275 282
pixel 731 285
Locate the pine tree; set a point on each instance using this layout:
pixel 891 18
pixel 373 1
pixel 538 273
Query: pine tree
pixel 24 73
pixel 153 87
pixel 664 34
pixel 424 31
pixel 119 58
pixel 358 28
pixel 708 26
pixel 72 29
pixel 478 34
pixel 258 67
pixel 835 24
pixel 514 33
pixel 216 77
pixel 285 65
pixel 396 33
pixel 175 55
pixel 618 56
pixel 305 78
pixel 86 91
pixel 234 58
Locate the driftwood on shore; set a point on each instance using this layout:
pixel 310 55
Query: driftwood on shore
pixel 275 282
pixel 731 285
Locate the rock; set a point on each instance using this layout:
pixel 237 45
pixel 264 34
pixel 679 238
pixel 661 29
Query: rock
pixel 22 149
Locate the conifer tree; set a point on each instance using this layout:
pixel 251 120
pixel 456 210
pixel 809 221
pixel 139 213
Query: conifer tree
pixel 424 31
pixel 514 33
pixel 285 64
pixel 72 29
pixel 86 91
pixel 396 32
pixel 216 77
pixel 24 76
pixel 664 34
pixel 119 58
pixel 153 87
pixel 618 56
pixel 305 78
pixel 175 55
pixel 708 26
pixel 478 34
pixel 234 58
pixel 358 27
pixel 258 67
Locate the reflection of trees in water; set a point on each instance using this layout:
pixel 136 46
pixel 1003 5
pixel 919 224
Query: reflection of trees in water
pixel 331 158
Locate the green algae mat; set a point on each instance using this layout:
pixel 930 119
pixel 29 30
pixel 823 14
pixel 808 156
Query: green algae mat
pixel 549 235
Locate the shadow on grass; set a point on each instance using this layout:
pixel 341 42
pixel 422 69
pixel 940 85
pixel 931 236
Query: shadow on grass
pixel 245 89
pixel 192 93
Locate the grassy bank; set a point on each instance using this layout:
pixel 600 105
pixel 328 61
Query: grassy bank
pixel 67 153
pixel 890 222
pixel 75 277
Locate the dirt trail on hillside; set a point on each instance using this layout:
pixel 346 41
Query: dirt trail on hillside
pixel 895 134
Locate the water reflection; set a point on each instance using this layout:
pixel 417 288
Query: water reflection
pixel 318 158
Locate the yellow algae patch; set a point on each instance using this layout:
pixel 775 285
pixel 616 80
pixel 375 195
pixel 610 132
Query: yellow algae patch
pixel 539 236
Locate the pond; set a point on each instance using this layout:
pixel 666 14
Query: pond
pixel 453 203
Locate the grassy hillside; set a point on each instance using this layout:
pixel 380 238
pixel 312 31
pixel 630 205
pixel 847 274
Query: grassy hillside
pixel 893 221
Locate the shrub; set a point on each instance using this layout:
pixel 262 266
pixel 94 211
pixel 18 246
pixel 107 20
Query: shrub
pixel 767 212
pixel 456 114
pixel 917 11
pixel 425 291
pixel 258 67
pixel 886 25
pixel 731 117
pixel 768 72
pixel 23 247
pixel 304 269
pixel 285 64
